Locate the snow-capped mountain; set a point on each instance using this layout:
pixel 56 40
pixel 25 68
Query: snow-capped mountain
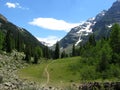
pixel 100 26
pixel 80 33
pixel 46 44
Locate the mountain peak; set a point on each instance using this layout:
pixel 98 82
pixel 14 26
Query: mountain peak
pixel 99 26
pixel 100 15
pixel 118 0
pixel 117 3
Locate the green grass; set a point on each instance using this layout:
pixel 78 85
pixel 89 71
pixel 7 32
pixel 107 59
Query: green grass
pixel 63 72
pixel 33 72
pixel 59 71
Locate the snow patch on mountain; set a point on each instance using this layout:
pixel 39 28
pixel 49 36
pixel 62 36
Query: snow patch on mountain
pixel 100 15
pixel 85 29
pixel 46 44
pixel 79 40
pixel 109 26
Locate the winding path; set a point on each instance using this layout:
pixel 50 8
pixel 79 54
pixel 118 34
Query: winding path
pixel 47 74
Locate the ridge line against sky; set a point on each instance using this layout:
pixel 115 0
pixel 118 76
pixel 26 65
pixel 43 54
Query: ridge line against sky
pixel 50 20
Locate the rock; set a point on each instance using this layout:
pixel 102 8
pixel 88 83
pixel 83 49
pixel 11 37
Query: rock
pixel 117 86
pixel 8 84
pixel 107 85
pixel 100 86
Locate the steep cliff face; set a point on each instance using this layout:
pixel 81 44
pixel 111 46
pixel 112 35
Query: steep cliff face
pixel 102 27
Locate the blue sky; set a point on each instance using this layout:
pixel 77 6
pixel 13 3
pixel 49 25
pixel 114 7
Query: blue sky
pixel 50 20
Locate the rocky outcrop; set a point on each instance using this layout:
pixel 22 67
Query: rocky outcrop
pixel 8 78
pixel 97 86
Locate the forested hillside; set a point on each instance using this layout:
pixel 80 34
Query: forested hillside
pixel 101 57
pixel 13 37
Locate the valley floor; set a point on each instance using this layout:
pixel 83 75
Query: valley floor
pixel 63 74
pixel 52 71
pixel 60 74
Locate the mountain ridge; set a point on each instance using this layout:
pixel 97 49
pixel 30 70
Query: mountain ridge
pixel 99 26
pixel 25 35
pixel 77 33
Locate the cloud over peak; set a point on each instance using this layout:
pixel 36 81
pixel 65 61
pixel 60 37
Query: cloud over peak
pixel 53 24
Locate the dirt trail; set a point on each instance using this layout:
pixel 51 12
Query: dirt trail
pixel 47 74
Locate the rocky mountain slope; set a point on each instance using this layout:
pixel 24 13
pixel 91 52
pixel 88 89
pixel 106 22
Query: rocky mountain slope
pixel 102 27
pixel 77 34
pixel 9 80
pixel 99 26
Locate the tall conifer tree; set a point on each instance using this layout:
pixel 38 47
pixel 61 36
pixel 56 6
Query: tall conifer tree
pixel 57 51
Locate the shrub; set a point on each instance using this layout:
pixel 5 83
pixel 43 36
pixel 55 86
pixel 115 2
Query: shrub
pixel 88 73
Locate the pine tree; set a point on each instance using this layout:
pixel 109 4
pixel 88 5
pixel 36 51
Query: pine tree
pixel 27 53
pixel 104 56
pixel 37 54
pixel 36 58
pixel 115 38
pixel 92 41
pixel 47 52
pixel 81 50
pixel 18 43
pixel 8 43
pixel 57 51
pixel 115 43
pixel 1 40
pixel 103 63
pixel 63 54
pixel 73 50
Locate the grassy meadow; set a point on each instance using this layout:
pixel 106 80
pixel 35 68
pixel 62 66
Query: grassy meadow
pixel 64 72
pixel 60 71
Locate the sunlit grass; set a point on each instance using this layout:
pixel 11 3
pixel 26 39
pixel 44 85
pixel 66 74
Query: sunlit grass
pixel 59 71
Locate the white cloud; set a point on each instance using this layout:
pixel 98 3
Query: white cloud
pixel 15 5
pixel 10 5
pixel 53 24
pixel 50 40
